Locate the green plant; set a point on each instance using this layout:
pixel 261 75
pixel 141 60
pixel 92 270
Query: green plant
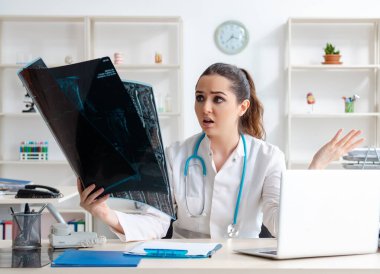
pixel 330 49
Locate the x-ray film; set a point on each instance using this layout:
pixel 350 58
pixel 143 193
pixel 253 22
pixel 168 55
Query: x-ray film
pixel 107 128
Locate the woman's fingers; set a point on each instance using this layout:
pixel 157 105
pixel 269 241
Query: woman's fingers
pixel 352 139
pixel 336 137
pixel 87 191
pixel 354 145
pixel 91 198
pixel 342 141
pixel 101 200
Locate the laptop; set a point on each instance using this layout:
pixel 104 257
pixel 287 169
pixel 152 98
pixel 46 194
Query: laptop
pixel 326 213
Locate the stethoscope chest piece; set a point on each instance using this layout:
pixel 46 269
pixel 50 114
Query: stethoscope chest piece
pixel 232 231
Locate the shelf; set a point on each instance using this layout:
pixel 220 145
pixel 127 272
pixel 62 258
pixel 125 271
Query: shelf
pixel 20 115
pixel 306 162
pixel 147 67
pixel 334 115
pixel 358 74
pixel 136 19
pixel 316 20
pixel 67 191
pixel 34 162
pixel 63 210
pixel 138 38
pixel 19 66
pixel 334 67
pixel 34 115
pixel 168 114
pixel 41 18
pixel 118 67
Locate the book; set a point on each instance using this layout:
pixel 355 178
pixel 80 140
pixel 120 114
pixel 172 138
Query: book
pixel 107 128
pixel 7 230
pixel 1 230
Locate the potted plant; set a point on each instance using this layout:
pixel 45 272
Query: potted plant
pixel 332 56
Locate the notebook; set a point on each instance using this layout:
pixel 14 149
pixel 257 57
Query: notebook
pixel 90 258
pixel 174 249
pixel 326 213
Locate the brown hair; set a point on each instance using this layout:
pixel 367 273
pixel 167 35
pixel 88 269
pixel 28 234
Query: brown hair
pixel 242 85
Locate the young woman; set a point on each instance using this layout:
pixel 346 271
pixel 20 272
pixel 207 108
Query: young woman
pixel 240 189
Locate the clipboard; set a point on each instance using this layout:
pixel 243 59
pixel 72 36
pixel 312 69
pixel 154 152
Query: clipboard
pixel 176 250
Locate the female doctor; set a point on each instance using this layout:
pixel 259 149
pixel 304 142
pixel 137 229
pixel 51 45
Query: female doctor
pixel 225 180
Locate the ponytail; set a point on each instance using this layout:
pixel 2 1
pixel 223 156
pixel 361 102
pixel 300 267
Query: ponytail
pixel 252 121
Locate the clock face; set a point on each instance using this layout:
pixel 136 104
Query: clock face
pixel 231 37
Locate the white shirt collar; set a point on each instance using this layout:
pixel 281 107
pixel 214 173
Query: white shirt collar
pixel 238 152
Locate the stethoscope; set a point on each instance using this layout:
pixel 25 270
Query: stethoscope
pixel 232 229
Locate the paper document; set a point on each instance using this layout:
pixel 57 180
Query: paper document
pixel 174 249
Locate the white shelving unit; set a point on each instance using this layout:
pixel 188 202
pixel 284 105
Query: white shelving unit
pixel 138 39
pixel 24 38
pixel 358 41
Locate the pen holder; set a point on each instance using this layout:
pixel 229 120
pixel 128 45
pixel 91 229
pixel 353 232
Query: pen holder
pixel 349 107
pixel 30 258
pixel 26 231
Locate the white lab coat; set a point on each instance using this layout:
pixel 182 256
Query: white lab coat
pixel 259 201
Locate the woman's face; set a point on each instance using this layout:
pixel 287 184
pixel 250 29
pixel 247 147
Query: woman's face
pixel 216 106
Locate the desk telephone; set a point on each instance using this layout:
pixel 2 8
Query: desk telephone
pixel 61 237
pixel 38 191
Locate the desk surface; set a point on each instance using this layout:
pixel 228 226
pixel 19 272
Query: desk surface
pixel 226 261
pixel 67 191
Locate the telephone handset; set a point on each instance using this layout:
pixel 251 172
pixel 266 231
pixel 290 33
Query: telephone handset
pixel 38 191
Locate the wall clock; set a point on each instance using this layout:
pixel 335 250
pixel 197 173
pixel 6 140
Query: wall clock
pixel 231 37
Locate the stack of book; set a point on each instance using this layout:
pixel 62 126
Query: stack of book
pixel 363 158
pixel 11 186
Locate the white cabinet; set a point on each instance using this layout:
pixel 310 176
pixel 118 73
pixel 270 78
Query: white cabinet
pixel 308 129
pixel 69 194
pixel 81 38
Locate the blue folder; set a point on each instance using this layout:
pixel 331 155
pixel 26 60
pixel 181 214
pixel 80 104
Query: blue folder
pixel 89 258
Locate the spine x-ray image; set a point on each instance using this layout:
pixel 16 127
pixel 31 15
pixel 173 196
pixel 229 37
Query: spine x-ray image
pixel 108 129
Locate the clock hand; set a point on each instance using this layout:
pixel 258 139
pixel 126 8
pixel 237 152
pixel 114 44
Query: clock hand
pixel 231 37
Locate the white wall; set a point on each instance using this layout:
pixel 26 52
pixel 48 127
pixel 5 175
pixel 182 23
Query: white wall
pixel 264 57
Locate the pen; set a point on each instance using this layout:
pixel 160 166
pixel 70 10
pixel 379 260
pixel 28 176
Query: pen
pixel 26 209
pixel 42 208
pixel 26 221
pixel 15 217
pixel 165 252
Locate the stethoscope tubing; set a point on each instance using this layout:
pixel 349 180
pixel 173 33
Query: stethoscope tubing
pixel 242 179
pixel 195 156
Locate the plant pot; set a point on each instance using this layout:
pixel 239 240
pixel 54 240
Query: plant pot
pixel 332 59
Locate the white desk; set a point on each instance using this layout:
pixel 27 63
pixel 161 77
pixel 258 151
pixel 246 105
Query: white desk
pixel 67 191
pixel 226 261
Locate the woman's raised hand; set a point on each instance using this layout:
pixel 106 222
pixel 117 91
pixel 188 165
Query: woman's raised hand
pixel 98 206
pixel 90 201
pixel 336 148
